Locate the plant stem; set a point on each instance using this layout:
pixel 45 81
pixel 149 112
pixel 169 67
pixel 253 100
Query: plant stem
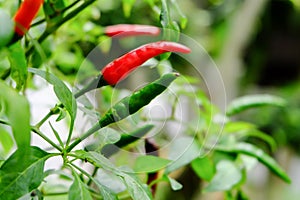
pixel 93 192
pixel 56 193
pixel 93 175
pixel 39 133
pixel 48 115
pixel 81 170
pixel 70 6
pixel 97 82
pixel 56 135
pixel 61 12
pixel 38 23
pixel 92 130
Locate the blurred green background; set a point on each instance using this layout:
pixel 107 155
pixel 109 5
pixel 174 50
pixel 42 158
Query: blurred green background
pixel 256 46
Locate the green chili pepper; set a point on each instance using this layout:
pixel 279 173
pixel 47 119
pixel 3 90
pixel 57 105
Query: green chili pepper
pixel 129 105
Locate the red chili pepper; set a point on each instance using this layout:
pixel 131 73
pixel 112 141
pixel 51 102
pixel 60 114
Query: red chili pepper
pixel 25 15
pixel 122 66
pixel 131 30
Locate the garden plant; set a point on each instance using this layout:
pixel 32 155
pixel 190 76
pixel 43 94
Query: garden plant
pixel 115 145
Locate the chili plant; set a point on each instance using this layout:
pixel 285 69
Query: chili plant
pixel 122 153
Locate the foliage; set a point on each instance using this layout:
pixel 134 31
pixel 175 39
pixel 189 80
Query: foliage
pixel 111 165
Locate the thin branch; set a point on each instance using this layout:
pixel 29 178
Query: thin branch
pixel 39 133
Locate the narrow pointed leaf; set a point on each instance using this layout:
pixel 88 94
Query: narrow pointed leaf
pixel 226 177
pixel 61 90
pixel 183 151
pixel 252 101
pixel 106 193
pixel 136 189
pixel 146 164
pixel 175 185
pixel 204 168
pixel 96 159
pixel 251 150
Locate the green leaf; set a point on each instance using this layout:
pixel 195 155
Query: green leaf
pixel 21 173
pixel 96 159
pixel 127 6
pixel 146 164
pixel 183 151
pixel 56 134
pixel 226 177
pixel 237 126
pixel 164 67
pixel 61 90
pixel 252 101
pixel 106 193
pixel 175 185
pixel 247 162
pixel 204 168
pixel 244 129
pixel 263 136
pixel 104 138
pixel 5 140
pixel 109 184
pixel 16 108
pixel 62 114
pixel 108 136
pixel 251 150
pixel 18 64
pixel 136 189
pixel 79 190
pixel 7 28
pixel 110 180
